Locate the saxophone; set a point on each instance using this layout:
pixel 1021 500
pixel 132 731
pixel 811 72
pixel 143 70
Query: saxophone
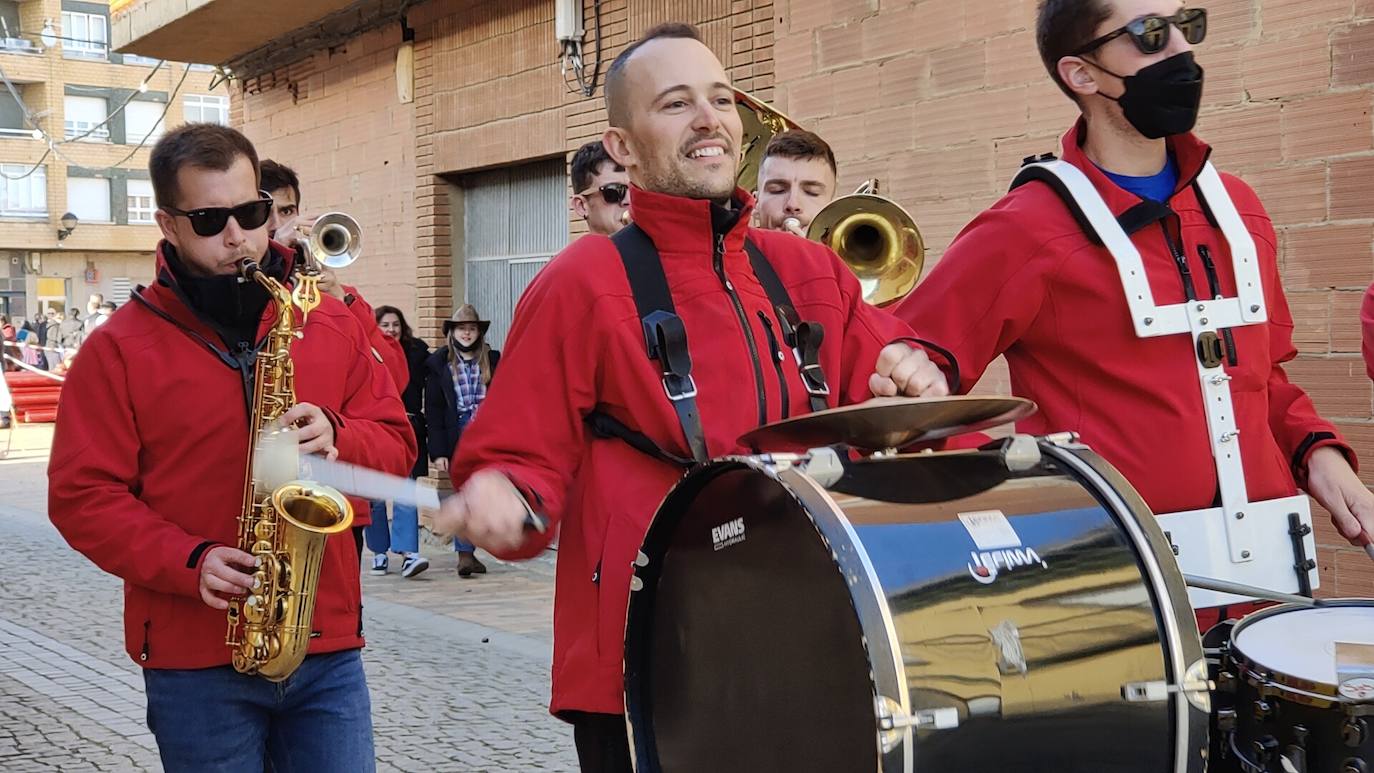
pixel 284 528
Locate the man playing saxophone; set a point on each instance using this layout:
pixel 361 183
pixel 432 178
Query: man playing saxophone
pixel 149 469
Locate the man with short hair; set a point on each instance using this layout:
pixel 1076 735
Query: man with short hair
pixel 284 186
pixel 148 469
pixel 576 353
pixel 601 189
pixel 796 181
pixel 1163 361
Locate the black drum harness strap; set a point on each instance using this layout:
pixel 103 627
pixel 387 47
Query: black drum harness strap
pixel 665 341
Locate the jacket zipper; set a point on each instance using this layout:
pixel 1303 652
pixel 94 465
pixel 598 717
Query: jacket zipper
pixel 1180 261
pixel 718 262
pixel 1213 283
pixel 777 362
pixel 143 654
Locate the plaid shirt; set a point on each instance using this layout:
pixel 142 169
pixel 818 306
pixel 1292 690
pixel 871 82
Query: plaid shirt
pixel 467 384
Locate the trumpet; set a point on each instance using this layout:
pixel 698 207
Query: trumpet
pixel 332 240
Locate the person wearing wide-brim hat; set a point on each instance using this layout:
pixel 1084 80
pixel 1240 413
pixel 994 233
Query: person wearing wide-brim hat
pixel 457 377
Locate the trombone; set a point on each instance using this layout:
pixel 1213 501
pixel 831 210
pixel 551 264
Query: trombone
pixel 874 236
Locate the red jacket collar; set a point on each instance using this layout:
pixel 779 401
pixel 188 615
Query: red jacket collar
pixel 677 224
pixel 167 297
pixel 1189 152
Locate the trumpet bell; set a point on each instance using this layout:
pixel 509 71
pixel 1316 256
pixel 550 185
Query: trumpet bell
pixel 877 240
pixel 335 240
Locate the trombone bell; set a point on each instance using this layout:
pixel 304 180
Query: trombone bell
pixel 877 240
pixel 335 240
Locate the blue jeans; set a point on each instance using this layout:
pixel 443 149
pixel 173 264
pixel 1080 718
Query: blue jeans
pixel 218 720
pixel 401 535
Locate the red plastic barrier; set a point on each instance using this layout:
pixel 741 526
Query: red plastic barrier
pixel 39 417
pixel 35 396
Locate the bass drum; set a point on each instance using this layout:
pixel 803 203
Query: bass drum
pixel 1008 610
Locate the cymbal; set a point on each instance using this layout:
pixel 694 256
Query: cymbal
pixel 889 422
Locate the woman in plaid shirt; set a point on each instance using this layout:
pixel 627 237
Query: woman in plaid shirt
pixel 457 379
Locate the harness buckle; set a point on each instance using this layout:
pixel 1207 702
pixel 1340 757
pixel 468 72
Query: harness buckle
pixel 813 378
pixel 679 387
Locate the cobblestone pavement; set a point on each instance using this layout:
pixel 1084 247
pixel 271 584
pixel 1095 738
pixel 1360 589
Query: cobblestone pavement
pixel 458 669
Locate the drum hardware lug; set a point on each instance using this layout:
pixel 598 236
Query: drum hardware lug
pixel 1263 710
pixel 1062 439
pixel 1354 765
pixel 924 719
pixel 1226 720
pixel 1295 756
pixel 823 465
pixel 1354 732
pixel 641 559
pixel 1196 688
pixel 1264 749
pixel 1021 453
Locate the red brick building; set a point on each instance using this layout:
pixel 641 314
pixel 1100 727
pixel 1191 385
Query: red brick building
pixel 426 130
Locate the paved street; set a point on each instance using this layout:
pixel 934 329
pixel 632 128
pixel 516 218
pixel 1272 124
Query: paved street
pixel 458 668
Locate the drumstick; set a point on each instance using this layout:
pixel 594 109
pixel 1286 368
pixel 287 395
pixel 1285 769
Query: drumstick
pixel 1369 549
pixel 277 460
pixel 1224 586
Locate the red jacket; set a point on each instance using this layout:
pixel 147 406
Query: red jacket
pixel 577 344
pixel 149 457
pixel 1023 280
pixel 388 349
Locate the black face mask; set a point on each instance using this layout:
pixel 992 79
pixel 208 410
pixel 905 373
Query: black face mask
pixel 469 349
pixel 1161 100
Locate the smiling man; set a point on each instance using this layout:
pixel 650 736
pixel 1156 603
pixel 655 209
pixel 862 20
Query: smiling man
pixel 590 428
pixel 1165 372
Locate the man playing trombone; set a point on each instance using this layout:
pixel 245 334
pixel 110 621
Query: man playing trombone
pixel 796 181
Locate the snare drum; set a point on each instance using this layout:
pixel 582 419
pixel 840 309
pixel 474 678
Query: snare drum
pixel 1290 712
pixel 1012 610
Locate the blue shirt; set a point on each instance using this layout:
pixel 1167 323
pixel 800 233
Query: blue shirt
pixel 1158 186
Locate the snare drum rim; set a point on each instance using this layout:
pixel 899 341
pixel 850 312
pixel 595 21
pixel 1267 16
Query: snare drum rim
pixel 1271 682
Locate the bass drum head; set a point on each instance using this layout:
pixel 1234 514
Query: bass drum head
pixel 763 631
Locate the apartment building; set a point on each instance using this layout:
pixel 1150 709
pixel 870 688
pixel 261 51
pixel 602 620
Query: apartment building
pixel 77 121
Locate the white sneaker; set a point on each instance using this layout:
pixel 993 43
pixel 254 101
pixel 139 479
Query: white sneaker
pixel 413 565
pixel 379 564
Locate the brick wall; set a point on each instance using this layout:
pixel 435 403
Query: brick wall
pixel 939 99
pixel 943 100
pixel 336 119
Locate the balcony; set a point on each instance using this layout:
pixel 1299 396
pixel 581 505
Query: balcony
pixel 209 30
pixel 18 45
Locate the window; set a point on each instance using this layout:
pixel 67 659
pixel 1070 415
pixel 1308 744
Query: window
pixel 142 118
pixel 141 201
pixel 503 251
pixel 25 196
pixel 12 122
pixel 10 38
pixel 206 108
pixel 149 61
pixel 86 114
pixel 85 36
pixel 89 198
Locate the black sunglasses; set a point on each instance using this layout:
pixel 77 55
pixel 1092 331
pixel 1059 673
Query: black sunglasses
pixel 212 220
pixel 613 193
pixel 1151 33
